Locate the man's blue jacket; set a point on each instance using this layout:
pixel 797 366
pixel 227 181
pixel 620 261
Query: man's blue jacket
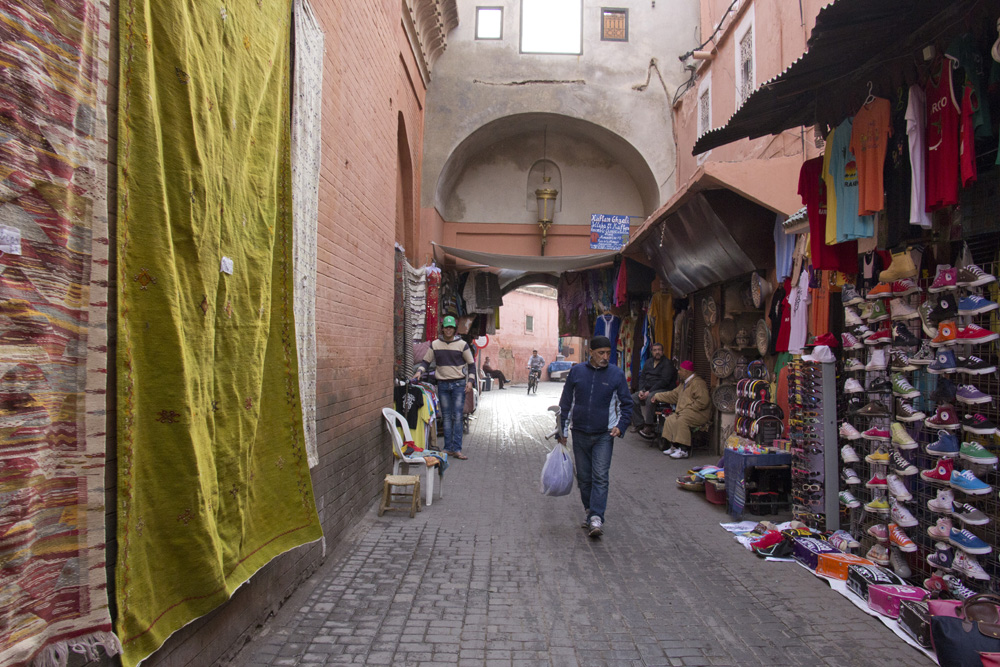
pixel 595 400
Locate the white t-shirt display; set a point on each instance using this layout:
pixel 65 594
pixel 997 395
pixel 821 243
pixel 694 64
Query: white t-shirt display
pixel 916 128
pixel 798 300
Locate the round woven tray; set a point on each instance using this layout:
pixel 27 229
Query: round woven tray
pixel 709 311
pixel 709 345
pixel 724 398
pixel 727 330
pixel 762 337
pixel 760 289
pixel 723 363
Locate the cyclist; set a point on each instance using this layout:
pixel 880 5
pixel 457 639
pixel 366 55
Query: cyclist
pixel 535 365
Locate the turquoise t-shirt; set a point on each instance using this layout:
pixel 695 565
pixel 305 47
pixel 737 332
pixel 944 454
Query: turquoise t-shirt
pixel 844 171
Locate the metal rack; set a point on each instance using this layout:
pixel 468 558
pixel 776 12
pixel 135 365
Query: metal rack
pixel 813 436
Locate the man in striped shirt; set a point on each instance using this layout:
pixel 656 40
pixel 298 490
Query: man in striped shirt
pixel 454 369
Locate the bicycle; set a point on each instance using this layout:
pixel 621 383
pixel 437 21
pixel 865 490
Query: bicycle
pixel 533 376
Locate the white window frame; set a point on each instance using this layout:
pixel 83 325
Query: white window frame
pixel 492 8
pixel 529 323
pixel 705 87
pixel 746 24
pixel 545 52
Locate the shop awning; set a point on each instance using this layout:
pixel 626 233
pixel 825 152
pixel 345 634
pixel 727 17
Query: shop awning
pixel 715 235
pixel 854 41
pixel 525 263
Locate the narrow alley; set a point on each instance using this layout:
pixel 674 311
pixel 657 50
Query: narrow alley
pixel 497 574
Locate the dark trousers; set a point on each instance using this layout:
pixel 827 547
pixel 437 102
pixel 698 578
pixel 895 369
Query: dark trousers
pixel 498 376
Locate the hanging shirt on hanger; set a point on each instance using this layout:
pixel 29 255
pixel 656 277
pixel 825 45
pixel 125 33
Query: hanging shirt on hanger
pixel 967 141
pixel 784 246
pixel 870 134
pixel 844 171
pixel 916 132
pixel 896 174
pixel 942 137
pixel 799 299
pixel 812 189
pixel 830 238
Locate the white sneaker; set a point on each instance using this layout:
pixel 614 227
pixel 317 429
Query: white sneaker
pixel 849 432
pixel 901 516
pixel 877 361
pixel 848 454
pixel 851 317
pixel 669 452
pixel 853 364
pixel 897 488
pixel 680 454
pixel 969 566
pixel 898 562
pixel 902 310
pixel 852 386
pixel 943 503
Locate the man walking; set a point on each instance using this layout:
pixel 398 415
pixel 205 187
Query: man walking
pixel 596 406
pixel 693 409
pixel 657 375
pixel 455 367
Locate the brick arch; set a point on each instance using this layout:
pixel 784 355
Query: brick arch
pixel 531 279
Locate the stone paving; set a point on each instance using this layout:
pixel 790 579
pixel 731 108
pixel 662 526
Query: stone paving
pixel 497 574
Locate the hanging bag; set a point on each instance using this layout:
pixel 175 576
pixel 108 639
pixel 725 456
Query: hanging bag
pixel 557 473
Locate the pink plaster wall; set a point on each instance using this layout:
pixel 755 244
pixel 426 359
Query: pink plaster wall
pixel 511 346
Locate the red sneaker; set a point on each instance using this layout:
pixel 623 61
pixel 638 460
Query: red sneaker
pixel 876 433
pixel 973 333
pixel 945 417
pixel 883 335
pixel 904 287
pixel 941 473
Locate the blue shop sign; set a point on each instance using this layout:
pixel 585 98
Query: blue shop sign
pixel 608 232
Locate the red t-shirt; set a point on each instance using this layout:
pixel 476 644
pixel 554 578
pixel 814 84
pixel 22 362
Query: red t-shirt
pixel 840 257
pixel 942 138
pixel 967 145
pixel 785 329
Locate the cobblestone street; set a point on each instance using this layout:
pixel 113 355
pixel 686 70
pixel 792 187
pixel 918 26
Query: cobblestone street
pixel 497 574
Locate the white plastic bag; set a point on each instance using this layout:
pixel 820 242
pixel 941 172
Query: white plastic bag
pixel 557 473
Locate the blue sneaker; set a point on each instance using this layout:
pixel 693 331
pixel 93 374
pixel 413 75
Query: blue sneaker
pixel 944 362
pixel 967 542
pixel 965 481
pixel 945 445
pixel 975 305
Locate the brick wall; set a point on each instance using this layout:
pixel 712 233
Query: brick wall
pixel 371 86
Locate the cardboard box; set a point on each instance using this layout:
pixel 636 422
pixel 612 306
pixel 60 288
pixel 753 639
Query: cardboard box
pixel 835 565
pixel 886 599
pixel 806 550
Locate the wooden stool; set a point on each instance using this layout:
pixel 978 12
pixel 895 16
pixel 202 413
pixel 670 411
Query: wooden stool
pixel 411 482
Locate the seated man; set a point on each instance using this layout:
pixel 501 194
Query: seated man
pixel 657 375
pixel 493 373
pixel 693 409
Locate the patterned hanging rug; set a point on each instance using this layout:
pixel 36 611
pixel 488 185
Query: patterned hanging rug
pixel 53 334
pixel 213 478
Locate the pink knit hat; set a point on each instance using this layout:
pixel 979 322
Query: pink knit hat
pixel 687 365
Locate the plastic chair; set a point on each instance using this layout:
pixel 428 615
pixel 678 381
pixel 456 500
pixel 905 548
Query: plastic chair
pixel 394 419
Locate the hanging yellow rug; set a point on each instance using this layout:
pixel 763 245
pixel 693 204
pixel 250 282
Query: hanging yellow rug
pixel 213 480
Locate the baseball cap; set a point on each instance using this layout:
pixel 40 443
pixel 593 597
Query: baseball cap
pixel 448 321
pixel 820 353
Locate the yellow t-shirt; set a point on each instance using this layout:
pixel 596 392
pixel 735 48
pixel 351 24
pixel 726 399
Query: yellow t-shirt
pixel 831 197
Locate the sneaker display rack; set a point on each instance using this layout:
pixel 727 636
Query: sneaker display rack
pixel 812 400
pixel 931 481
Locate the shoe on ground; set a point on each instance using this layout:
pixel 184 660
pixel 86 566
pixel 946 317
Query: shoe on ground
pixel 974 304
pixel 943 503
pixel 973 365
pixel 670 451
pixel 897 488
pixel 899 539
pixel 939 474
pixel 978 424
pixel 681 453
pixel 879 532
pixel 848 455
pixel 973 452
pixel 901 466
pixel 945 445
pixel 878 554
pixel 942 556
pixel 945 418
pixel 968 514
pixel 968 542
pixel 596 526
pixel 941 530
pixel 970 395
pixel 968 566
pixel 973 276
pixel 906 412
pixel 966 482
pixel 899 565
pixel 900 515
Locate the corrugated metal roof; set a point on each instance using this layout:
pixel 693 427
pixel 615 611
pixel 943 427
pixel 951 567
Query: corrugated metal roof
pixel 854 41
